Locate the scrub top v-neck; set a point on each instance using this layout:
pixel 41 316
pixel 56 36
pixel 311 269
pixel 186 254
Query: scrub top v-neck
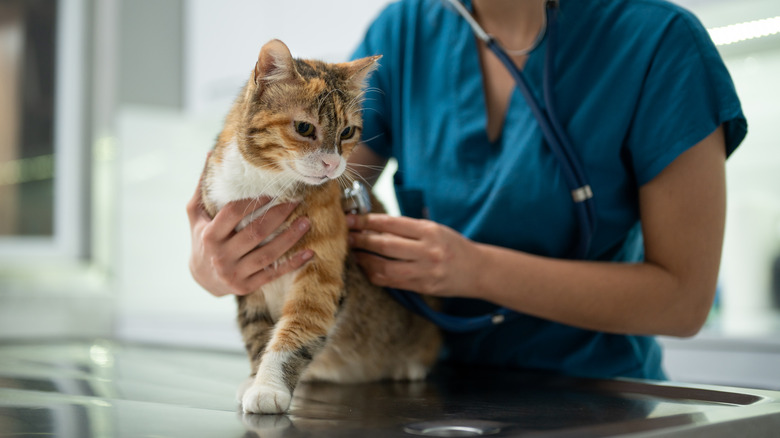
pixel 637 82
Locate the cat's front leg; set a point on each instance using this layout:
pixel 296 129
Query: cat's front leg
pixel 278 374
pixel 256 323
pixel 307 318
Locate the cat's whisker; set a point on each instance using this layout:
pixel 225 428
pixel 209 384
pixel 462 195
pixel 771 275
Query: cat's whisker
pixel 357 100
pixel 372 138
pixel 370 109
pixel 322 99
pixel 247 211
pixel 349 177
pixel 357 105
pixel 273 200
pixel 354 176
pixel 340 181
pixel 251 207
pixel 346 180
pixel 366 166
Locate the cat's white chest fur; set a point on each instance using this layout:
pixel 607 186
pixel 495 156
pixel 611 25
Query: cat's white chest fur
pixel 234 178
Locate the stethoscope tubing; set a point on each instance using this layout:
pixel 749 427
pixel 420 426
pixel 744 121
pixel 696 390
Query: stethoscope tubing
pixel 561 146
pixel 586 207
pixel 553 131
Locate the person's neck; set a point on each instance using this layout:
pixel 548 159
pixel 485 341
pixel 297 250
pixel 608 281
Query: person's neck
pixel 516 23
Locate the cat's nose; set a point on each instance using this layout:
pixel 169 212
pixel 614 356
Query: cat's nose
pixel 330 162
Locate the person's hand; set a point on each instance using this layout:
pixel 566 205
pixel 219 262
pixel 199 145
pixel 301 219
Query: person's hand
pixel 417 255
pixel 226 262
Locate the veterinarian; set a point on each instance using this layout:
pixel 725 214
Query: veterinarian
pixel 488 218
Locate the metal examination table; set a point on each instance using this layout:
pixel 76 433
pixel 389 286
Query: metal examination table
pixel 102 388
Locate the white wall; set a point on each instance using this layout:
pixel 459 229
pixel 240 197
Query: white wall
pixel 224 38
pixel 752 241
pixel 753 221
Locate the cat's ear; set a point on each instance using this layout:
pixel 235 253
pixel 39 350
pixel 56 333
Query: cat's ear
pixel 274 63
pixel 359 70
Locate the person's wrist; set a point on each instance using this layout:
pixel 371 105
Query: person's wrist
pixel 478 280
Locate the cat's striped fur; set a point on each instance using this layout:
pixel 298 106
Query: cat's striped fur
pixel 287 137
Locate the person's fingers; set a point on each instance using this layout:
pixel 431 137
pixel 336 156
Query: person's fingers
pixel 268 254
pixel 402 226
pixel 228 218
pixel 195 208
pixel 384 272
pixel 275 271
pixel 259 229
pixel 386 245
pixel 402 274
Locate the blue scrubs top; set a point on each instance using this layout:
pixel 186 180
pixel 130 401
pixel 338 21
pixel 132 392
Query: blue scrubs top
pixel 636 83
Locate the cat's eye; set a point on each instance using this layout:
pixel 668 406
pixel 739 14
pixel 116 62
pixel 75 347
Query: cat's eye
pixel 306 129
pixel 348 133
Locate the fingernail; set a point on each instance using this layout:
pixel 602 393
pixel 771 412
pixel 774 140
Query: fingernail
pixel 303 225
pixel 351 220
pixel 307 255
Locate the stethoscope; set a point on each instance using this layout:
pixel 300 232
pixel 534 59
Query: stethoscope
pixel 560 145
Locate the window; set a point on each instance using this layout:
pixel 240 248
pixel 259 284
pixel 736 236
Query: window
pixel 42 142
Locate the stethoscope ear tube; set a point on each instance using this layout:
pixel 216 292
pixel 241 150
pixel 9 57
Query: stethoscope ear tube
pixel 479 32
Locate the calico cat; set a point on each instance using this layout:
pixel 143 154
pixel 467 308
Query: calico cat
pixel 287 137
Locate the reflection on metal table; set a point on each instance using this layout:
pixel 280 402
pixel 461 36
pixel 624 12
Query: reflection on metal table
pixel 103 388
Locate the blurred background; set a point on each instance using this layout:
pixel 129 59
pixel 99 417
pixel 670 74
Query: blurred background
pixel 107 110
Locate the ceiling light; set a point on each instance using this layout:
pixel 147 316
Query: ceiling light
pixel 748 30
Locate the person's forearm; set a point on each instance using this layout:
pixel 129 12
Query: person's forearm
pixel 682 212
pixel 639 298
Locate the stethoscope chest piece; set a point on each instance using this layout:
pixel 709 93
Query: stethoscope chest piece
pixel 356 199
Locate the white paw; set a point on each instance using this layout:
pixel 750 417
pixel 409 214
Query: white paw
pixel 264 399
pixel 411 371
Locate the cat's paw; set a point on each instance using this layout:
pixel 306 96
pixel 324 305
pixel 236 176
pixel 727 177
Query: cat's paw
pixel 265 399
pixel 410 371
